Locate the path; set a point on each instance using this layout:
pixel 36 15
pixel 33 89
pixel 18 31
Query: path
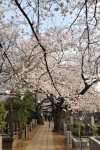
pixel 45 139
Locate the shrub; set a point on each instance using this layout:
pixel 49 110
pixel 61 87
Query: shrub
pixel 75 131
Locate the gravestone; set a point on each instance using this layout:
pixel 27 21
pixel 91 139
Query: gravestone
pixel 92 119
pixel 71 119
pixel 65 128
pixel 80 113
pixel 87 128
pixel 87 119
pixel 74 115
pixel 97 117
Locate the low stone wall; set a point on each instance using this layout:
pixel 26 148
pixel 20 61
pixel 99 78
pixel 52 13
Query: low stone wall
pixel 94 143
pixel 9 143
pixel 76 143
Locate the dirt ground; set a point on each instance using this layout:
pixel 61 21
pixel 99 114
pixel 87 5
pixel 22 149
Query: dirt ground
pixel 59 140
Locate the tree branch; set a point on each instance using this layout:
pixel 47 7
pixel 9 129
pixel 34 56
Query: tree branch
pixel 42 47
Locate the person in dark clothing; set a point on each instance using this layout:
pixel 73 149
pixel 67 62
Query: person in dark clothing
pixel 49 119
pixel 46 117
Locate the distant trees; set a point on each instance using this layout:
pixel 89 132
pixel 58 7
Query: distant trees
pixel 18 108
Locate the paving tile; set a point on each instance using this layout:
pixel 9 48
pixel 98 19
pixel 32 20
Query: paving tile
pixel 43 139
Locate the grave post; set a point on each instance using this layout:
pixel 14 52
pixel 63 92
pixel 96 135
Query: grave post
pixel 30 125
pixel 12 129
pixel 69 140
pixel 0 142
pixel 16 128
pixel 25 131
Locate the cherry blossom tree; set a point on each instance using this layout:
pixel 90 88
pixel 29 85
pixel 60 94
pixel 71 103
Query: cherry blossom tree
pixel 59 59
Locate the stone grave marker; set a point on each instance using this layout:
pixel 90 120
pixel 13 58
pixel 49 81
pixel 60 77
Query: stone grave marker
pixel 92 119
pixel 69 140
pixel 65 128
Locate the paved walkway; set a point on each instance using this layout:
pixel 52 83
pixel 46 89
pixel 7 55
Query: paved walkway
pixel 43 139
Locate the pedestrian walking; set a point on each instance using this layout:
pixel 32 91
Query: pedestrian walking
pixel 49 119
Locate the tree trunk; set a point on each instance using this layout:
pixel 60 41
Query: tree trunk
pixel 58 126
pixel 39 116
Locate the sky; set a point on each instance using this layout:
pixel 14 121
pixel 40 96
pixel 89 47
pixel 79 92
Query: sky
pixel 55 19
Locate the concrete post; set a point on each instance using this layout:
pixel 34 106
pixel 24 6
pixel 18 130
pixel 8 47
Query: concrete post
pixel 16 128
pixel 71 120
pixel 30 126
pixel 33 123
pixel 25 131
pixel 0 142
pixel 65 128
pixel 12 129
